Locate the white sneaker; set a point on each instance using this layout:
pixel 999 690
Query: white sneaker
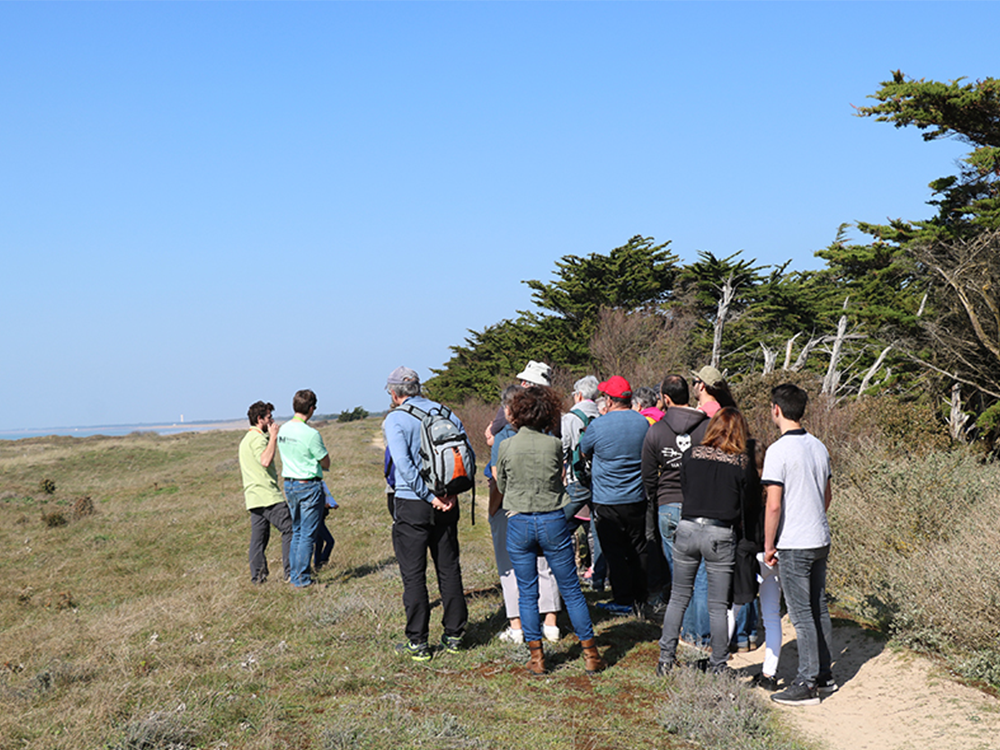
pixel 551 632
pixel 512 636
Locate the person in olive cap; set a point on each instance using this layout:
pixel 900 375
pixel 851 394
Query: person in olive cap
pixel 711 390
pixel 614 441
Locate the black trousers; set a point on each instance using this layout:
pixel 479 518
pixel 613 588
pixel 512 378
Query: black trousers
pixel 261 520
pixel 417 529
pixel 622 531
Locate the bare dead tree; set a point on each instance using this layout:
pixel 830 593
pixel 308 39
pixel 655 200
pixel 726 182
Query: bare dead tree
pixel 832 378
pixel 963 319
pixel 640 345
pixel 788 350
pixel 957 418
pixel 770 358
pixel 727 294
pixel 806 351
pixel 866 380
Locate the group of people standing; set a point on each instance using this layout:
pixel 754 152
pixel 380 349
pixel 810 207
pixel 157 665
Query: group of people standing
pixel 636 467
pixel 648 467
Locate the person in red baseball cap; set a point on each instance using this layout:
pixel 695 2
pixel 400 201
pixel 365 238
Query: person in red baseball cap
pixel 614 441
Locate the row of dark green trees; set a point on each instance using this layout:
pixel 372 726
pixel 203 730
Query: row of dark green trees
pixel 914 312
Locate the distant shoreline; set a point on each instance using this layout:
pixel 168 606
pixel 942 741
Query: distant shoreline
pixel 124 429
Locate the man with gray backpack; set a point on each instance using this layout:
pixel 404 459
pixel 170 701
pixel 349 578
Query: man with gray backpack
pixel 574 422
pixel 432 463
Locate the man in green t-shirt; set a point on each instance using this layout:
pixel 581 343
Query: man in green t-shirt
pixel 303 460
pixel 264 500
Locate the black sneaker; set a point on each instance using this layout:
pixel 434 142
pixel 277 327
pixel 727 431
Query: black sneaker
pixel 797 695
pixel 451 643
pixel 770 684
pixel 416 651
pixel 827 687
pixel 663 668
pixel 655 610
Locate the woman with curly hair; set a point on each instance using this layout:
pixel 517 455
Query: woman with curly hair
pixel 718 482
pixel 530 476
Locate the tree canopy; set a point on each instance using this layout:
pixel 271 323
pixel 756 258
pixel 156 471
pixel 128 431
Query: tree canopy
pixel 918 301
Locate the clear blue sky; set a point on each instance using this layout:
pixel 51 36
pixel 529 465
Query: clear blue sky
pixel 206 204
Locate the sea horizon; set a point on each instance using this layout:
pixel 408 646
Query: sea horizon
pixel 117 430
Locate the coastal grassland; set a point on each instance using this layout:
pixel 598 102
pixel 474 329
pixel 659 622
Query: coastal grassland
pixel 136 626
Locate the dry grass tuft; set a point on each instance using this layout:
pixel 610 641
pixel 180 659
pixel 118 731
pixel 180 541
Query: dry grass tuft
pixel 54 519
pixel 83 506
pixel 721 712
pixel 160 730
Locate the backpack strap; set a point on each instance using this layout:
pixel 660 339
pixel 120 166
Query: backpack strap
pixel 413 411
pixel 583 417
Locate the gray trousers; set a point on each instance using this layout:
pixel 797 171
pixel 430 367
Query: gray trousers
pixel 261 520
pixel 694 542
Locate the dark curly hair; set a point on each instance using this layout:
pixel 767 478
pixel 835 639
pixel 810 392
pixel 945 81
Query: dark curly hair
pixel 537 407
pixel 257 410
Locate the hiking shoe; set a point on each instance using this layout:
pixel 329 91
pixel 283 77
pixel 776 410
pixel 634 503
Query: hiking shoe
pixel 551 633
pixel 451 643
pixel 511 636
pixel 615 609
pixel 797 695
pixel 827 687
pixel 663 668
pixel 416 651
pixel 656 610
pixel 770 684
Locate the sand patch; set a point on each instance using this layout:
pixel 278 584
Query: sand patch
pixel 888 700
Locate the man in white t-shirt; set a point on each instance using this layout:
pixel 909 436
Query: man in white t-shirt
pixel 797 476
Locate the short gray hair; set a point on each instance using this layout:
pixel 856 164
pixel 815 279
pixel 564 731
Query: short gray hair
pixel 587 387
pixel 508 393
pixel 644 397
pixel 411 388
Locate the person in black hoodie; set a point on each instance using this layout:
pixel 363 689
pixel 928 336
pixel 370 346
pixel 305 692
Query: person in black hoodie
pixel 679 429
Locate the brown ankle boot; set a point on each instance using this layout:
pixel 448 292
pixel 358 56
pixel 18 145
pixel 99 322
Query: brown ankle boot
pixel 536 664
pixel 592 661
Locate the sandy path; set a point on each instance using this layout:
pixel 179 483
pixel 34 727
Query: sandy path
pixel 887 700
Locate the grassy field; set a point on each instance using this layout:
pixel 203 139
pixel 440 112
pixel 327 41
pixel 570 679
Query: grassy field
pixel 128 621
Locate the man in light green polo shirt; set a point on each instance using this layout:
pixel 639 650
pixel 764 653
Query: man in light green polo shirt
pixel 264 500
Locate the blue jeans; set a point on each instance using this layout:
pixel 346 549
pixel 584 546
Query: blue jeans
pixel 529 534
pixel 746 624
pixel 803 580
pixel 305 503
pixel 693 543
pixel 696 627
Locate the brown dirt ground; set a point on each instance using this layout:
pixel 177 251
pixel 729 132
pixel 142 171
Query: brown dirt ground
pixel 888 700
